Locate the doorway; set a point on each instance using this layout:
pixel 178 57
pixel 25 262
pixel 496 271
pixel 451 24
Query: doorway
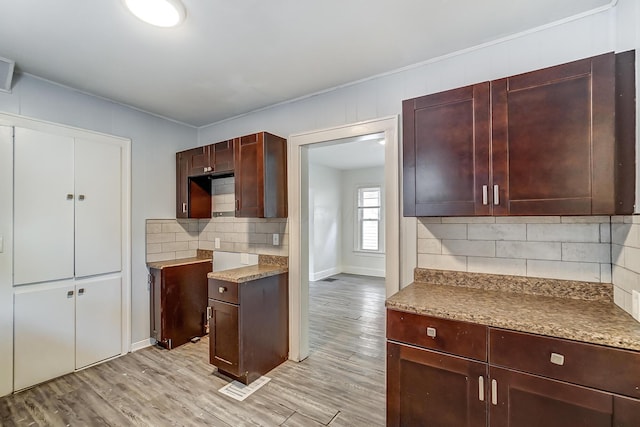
pixel 298 172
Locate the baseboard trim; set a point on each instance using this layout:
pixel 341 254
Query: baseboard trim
pixel 319 275
pixel 363 271
pixel 142 344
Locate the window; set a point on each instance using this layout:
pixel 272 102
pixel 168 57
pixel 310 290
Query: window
pixel 369 217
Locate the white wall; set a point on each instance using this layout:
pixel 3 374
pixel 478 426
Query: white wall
pixel 154 144
pixel 325 225
pixel 353 261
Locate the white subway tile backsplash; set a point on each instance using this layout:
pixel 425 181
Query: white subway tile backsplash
pixel 430 220
pixel 154 228
pixel 585 271
pixel 632 259
pixel 528 220
pixel 605 233
pixel 481 248
pixel 606 275
pixel 430 246
pixel 586 252
pixel 622 299
pixel 497 232
pixel 161 237
pixel 443 231
pixel 563 232
pixel 469 220
pixel 443 262
pixel 513 267
pixel 617 254
pixel 529 250
pixel 175 246
pixel 161 257
pixel 584 219
pixel 154 248
pixel 186 254
pixel 624 234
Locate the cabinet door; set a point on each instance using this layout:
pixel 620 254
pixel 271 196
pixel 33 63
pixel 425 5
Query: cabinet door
pixel 554 140
pixel 182 185
pixel 199 160
pixel 44 333
pixel 430 388
pixel 224 337
pixel 98 319
pixel 250 176
pixel 446 153
pixel 43 207
pixel 98 212
pixel 626 412
pixel 223 155
pixel 524 400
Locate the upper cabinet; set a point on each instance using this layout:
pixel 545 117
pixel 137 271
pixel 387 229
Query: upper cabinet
pixel 261 176
pixel 259 164
pixel 548 142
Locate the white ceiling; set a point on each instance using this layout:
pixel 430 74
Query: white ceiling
pixel 349 153
pixel 232 57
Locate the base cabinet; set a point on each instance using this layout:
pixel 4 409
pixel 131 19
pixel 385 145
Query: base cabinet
pixel 543 382
pixel 63 326
pixel 431 388
pixel 179 303
pixel 248 328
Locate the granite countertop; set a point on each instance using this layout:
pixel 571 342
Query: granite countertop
pixel 587 315
pixel 174 262
pixel 248 273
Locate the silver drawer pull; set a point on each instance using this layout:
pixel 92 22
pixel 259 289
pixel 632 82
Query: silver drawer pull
pixel 496 194
pixel 485 195
pixel 431 332
pixel 494 392
pixel 481 388
pixel 222 289
pixel 557 359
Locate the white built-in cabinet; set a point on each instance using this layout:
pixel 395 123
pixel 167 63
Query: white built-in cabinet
pixel 67 259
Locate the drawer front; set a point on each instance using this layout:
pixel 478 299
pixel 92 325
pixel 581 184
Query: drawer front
pixel 451 336
pixel 596 366
pixel 223 291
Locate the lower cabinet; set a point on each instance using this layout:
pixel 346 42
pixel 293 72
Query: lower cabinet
pixel 248 328
pixel 179 302
pixel 63 326
pixel 525 380
pixel 431 388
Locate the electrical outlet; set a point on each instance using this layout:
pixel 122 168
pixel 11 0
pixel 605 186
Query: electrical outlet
pixel 276 239
pixel 635 305
pixel 216 243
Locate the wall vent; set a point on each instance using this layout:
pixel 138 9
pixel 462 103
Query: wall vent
pixel 6 74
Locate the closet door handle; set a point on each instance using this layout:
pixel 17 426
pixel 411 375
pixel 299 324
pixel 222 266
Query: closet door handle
pixel 496 194
pixel 485 194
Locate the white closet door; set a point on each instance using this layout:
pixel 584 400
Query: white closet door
pixel 98 319
pixel 43 207
pixel 44 333
pixel 98 208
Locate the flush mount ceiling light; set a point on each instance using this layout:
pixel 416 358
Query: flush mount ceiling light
pixel 161 13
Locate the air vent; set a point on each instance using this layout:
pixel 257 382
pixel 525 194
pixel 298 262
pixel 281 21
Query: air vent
pixel 6 74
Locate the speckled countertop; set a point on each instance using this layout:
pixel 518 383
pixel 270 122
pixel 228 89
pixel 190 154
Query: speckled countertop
pixel 172 263
pixel 248 273
pixel 585 314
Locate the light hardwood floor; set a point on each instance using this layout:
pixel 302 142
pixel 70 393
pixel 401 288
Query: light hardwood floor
pixel 341 383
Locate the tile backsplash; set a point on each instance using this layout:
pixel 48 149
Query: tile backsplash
pixel 169 239
pixel 625 254
pixel 571 248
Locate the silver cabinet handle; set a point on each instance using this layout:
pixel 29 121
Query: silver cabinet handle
pixel 481 388
pixel 222 289
pixel 184 208
pixel 69 294
pixel 485 194
pixel 80 291
pixel 494 392
pixel 496 194
pixel 557 359
pixel 209 313
pixel 431 332
pixel 69 196
pixel 81 197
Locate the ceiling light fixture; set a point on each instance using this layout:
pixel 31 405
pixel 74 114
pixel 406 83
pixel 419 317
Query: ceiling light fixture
pixel 161 13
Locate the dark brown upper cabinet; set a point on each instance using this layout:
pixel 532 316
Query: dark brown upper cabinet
pixel 211 159
pixel 446 152
pixel 261 176
pixel 549 142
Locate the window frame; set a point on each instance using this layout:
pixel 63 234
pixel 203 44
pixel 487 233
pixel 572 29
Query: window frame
pixel 358 220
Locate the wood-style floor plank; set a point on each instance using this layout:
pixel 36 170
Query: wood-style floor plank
pixel 340 384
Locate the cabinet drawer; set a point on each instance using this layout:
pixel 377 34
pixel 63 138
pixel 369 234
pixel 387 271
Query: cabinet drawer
pixel 223 291
pixel 591 365
pixel 460 338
